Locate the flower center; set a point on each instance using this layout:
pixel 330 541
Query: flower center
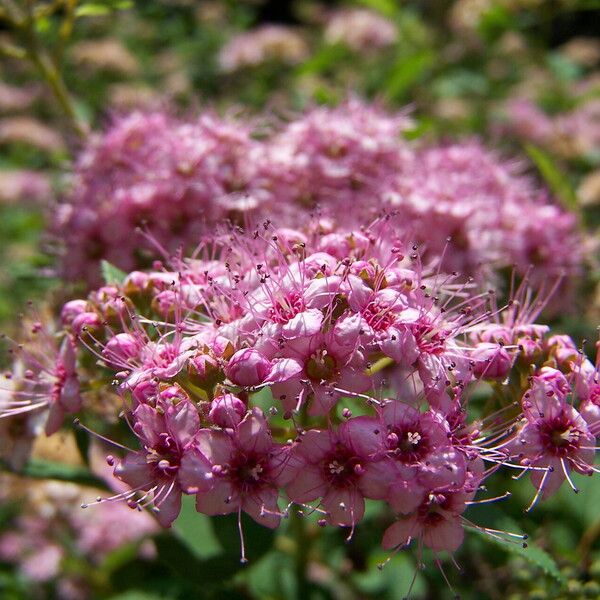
pixel 286 307
pixel 321 366
pixel 429 340
pixel 341 468
pixel 378 315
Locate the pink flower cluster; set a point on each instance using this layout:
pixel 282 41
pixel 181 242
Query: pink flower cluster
pixel 178 179
pixel 319 368
pixel 51 530
pixel 571 134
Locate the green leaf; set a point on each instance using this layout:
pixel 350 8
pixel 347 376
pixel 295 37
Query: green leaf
pixel 557 181
pixel 137 595
pixel 385 7
pixel 531 553
pixel 112 275
pixel 407 72
pixel 82 438
pixel 325 58
pixel 98 9
pixel 44 469
pixel 195 531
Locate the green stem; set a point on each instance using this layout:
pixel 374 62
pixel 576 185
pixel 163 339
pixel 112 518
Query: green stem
pixel 379 365
pixel 301 553
pixel 24 25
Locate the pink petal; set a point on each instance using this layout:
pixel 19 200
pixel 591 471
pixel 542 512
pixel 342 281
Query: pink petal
pixel 70 399
pixel 284 369
pixel 345 506
pixel 400 533
pixel 253 433
pixel 220 500
pixel 55 418
pixel 305 323
pixel 308 485
pixel 195 473
pixel 314 445
pixel 363 435
pixel 182 422
pixel 446 535
pixel 135 471
pixel 405 496
pixel 262 507
pixel 169 507
pixel 216 446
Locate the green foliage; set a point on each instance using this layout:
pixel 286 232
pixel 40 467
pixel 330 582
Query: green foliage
pixel 37 468
pixel 553 176
pixel 106 7
pixel 111 274
pixel 528 550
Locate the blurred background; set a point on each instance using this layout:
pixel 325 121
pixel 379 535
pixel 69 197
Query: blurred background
pixel 523 75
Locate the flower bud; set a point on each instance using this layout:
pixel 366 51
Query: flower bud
pixel 492 361
pixel 71 310
pixel 121 348
pixel 227 410
pixel 248 367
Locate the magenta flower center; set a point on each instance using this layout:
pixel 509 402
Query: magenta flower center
pixel 378 315
pixel 408 444
pixel 429 340
pixel 248 471
pixel 595 394
pixel 60 377
pixel 286 307
pixel 341 467
pixel 431 510
pixel 560 436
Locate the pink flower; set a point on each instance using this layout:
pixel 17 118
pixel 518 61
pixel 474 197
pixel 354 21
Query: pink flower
pixel 554 439
pixel 248 367
pixel 331 465
pixel 244 466
pixel 492 361
pixel 437 522
pixel 45 378
pixel 327 370
pixel 167 434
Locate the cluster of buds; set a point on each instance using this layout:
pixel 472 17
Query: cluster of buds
pixel 319 368
pixel 178 179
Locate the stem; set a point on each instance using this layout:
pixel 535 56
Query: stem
pixel 379 365
pixel 25 26
pixel 301 539
pixel 302 546
pixel 49 72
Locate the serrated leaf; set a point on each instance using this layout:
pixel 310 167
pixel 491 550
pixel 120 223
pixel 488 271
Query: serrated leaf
pixel 532 554
pixel 557 181
pixel 44 469
pixel 112 275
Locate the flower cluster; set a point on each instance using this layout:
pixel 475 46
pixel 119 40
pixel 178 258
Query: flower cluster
pixel 52 531
pixel 178 179
pixel 493 214
pixel 360 29
pixel 572 134
pixel 150 170
pixel 320 368
pixel 261 45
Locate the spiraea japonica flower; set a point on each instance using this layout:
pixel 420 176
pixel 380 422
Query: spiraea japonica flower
pixel 310 319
